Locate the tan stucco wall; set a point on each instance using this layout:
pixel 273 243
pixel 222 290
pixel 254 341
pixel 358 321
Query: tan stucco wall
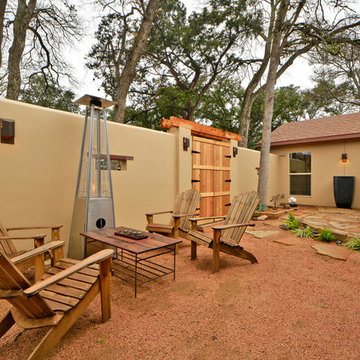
pixel 247 177
pixel 38 172
pixel 325 163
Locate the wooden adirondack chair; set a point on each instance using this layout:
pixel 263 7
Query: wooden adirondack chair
pixel 227 237
pixel 185 207
pixel 67 288
pixel 7 245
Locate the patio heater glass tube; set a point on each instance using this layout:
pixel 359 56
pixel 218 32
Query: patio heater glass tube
pixel 93 205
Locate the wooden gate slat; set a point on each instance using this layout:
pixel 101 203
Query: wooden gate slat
pixel 211 166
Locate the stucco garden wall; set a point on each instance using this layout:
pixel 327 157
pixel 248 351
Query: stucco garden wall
pixel 325 164
pixel 39 172
pixel 247 179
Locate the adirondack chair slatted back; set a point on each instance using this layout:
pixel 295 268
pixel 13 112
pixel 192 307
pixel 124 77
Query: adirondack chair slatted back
pixel 11 278
pixel 240 212
pixel 186 203
pixel 6 246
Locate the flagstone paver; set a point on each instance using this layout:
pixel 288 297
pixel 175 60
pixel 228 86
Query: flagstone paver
pixel 334 251
pixel 343 226
pixel 262 233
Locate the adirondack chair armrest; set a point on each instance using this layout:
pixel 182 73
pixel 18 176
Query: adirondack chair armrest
pixel 95 258
pixel 183 215
pixel 41 236
pixel 159 213
pixel 55 229
pixel 38 239
pixel 207 218
pixel 224 227
pixel 150 216
pixel 37 251
pixel 34 227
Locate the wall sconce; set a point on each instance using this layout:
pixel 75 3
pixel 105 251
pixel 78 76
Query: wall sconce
pixel 344 158
pixel 7 131
pixel 235 151
pixel 186 143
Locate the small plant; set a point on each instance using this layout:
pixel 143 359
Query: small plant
pixel 353 244
pixel 304 232
pixel 326 235
pixel 291 222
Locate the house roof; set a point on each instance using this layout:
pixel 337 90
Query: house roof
pixel 316 130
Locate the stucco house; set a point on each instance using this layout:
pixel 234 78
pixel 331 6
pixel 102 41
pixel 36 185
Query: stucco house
pixel 312 152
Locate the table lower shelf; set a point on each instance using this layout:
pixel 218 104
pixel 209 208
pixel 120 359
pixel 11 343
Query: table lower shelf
pixel 136 270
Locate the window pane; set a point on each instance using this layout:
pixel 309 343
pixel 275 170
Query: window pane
pixel 300 184
pixel 300 162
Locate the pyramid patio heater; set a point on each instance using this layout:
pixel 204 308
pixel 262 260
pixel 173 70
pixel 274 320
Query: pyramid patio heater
pixel 93 205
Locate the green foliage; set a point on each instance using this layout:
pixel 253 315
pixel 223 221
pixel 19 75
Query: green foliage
pixel 326 235
pixel 38 92
pixel 353 244
pixel 115 36
pixel 304 232
pixel 186 55
pixel 291 222
pixel 319 101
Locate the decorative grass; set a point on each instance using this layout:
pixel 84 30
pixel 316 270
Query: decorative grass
pixel 353 244
pixel 304 232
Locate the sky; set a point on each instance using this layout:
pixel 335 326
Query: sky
pixel 298 74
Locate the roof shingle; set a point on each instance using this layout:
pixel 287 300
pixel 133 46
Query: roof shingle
pixel 323 129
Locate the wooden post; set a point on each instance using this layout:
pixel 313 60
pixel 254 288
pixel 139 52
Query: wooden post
pixel 55 233
pixel 105 275
pixel 216 251
pixel 176 226
pixel 193 250
pixel 39 262
pixel 39 241
pixel 150 219
pixel 193 243
pixel 57 254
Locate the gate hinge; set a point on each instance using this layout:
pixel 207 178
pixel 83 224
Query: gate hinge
pixel 195 180
pixel 195 152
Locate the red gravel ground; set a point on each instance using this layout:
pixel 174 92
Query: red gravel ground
pixel 294 304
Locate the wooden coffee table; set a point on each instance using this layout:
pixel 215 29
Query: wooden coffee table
pixel 132 257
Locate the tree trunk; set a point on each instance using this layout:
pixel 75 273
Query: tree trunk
pixel 2 16
pixel 269 103
pixel 132 60
pixel 24 14
pixel 245 114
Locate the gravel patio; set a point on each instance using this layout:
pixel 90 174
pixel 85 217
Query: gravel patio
pixel 294 304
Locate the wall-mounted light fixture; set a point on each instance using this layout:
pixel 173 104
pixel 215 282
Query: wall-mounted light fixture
pixel 235 151
pixel 344 158
pixel 7 131
pixel 186 143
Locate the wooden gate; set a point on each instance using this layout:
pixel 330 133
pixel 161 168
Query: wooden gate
pixel 211 175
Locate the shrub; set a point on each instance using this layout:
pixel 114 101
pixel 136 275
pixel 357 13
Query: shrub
pixel 304 233
pixel 326 235
pixel 291 222
pixel 353 244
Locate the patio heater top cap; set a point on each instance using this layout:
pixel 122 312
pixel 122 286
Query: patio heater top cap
pixel 100 103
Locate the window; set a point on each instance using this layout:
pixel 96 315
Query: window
pixel 300 173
